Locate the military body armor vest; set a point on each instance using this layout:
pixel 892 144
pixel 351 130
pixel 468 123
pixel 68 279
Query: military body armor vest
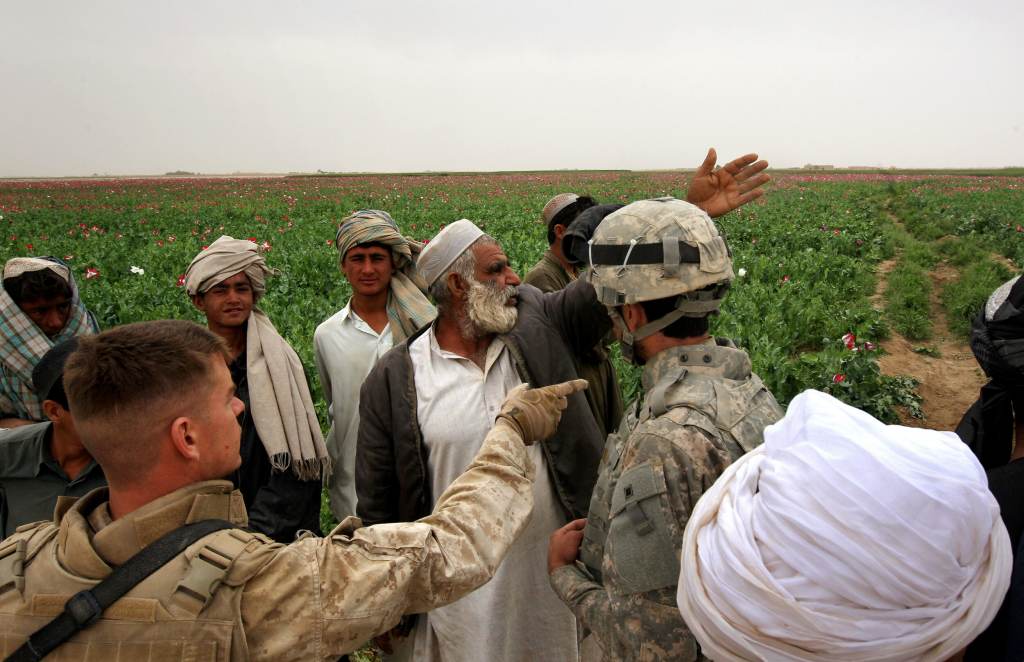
pixel 190 609
pixel 721 397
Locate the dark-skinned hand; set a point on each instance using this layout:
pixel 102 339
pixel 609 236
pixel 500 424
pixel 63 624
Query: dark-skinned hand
pixel 564 546
pixel 718 191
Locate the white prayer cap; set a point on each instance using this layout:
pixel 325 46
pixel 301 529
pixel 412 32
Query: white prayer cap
pixel 441 251
pixel 842 538
pixel 17 266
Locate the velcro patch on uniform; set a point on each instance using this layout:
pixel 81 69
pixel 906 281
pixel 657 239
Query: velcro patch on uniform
pixel 142 610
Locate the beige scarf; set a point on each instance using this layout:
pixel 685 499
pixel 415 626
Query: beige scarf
pixel 279 399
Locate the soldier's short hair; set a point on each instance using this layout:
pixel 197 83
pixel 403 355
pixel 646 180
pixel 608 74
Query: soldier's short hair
pixel 122 382
pixel 684 327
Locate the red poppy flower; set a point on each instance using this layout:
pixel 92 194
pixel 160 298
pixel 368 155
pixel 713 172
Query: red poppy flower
pixel 181 280
pixel 92 272
pixel 838 378
pixel 850 340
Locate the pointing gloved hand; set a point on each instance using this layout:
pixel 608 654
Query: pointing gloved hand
pixel 535 412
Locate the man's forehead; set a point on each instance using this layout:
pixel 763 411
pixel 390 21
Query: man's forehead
pixel 45 302
pixel 367 249
pixel 489 253
pixel 240 277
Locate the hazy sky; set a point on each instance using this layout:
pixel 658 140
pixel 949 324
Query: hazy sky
pixel 146 87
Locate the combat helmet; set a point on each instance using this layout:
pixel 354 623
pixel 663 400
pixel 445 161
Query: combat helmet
pixel 657 249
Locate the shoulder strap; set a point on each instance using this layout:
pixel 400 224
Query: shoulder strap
pixel 83 608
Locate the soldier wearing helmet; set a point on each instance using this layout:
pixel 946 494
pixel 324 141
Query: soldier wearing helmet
pixel 662 269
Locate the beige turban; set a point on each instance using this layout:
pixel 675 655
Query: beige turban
pixel 279 399
pixel 442 251
pixel 844 539
pixel 223 259
pixel 17 266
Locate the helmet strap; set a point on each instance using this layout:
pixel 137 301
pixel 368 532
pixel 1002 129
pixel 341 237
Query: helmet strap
pixel 685 307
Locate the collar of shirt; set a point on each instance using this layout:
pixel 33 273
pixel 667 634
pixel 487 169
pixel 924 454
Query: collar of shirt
pixel 494 351
pixel 350 316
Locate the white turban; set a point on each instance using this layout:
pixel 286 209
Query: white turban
pixel 442 251
pixel 842 538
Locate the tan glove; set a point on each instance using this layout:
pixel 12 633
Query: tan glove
pixel 535 412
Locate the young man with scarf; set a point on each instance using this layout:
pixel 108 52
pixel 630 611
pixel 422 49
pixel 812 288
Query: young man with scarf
pixel 282 449
pixel 386 307
pixel 39 308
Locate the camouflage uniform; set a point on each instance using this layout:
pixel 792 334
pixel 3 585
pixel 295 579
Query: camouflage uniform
pixel 240 596
pixel 603 393
pixel 652 473
pixel 701 409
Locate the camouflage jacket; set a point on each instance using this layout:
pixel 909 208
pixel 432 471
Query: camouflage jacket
pixel 702 408
pixel 314 599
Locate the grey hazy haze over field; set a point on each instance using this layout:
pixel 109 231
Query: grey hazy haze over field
pixel 220 87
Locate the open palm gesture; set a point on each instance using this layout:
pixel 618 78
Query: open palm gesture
pixel 720 190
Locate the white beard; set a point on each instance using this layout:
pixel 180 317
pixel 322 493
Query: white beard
pixel 486 311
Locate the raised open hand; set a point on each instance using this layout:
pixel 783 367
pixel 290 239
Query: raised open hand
pixel 720 190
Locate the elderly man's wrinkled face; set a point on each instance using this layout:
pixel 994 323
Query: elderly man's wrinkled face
pixel 228 303
pixel 492 298
pixel 49 314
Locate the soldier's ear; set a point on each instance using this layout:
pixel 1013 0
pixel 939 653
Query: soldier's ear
pixel 184 439
pixel 634 315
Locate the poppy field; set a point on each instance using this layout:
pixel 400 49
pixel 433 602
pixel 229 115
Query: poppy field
pixel 805 304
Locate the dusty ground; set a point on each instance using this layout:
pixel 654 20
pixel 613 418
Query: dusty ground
pixel 949 383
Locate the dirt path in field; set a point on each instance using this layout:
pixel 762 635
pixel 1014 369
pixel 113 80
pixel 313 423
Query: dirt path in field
pixel 949 382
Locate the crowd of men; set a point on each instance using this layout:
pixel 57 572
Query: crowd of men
pixel 160 482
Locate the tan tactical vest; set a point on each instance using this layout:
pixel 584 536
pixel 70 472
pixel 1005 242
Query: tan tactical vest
pixel 189 610
pixel 735 412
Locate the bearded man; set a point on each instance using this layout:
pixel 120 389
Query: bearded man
pixel 39 308
pixel 426 407
pixel 282 449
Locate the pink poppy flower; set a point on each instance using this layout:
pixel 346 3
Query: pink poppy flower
pixel 92 272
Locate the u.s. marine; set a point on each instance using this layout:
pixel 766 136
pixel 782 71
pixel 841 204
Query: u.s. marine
pixel 155 405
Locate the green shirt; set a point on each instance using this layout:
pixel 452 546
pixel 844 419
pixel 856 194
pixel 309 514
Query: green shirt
pixel 31 479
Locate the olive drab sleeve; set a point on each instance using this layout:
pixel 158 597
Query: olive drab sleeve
pixel 320 598
pixel 633 612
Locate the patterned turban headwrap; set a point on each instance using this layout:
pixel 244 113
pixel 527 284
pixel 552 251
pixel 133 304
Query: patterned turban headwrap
pixel 843 539
pixel 279 400
pixel 24 344
pixel 408 307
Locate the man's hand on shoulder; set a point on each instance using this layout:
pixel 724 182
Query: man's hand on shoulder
pixel 718 191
